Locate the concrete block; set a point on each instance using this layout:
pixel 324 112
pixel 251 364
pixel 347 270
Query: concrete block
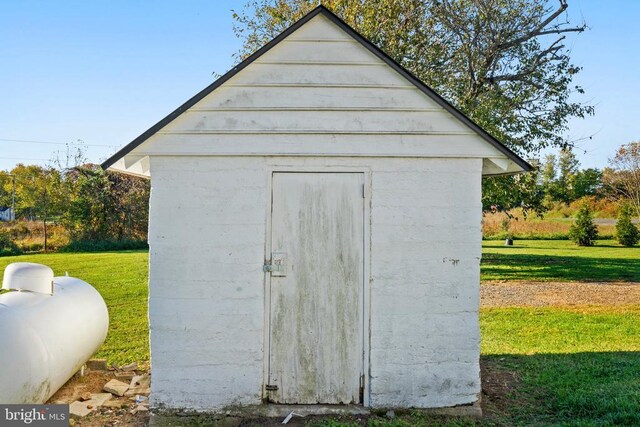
pixel 116 387
pixel 82 409
pixel 97 365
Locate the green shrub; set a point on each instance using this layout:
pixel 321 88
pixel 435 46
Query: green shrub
pixel 626 232
pixel 8 246
pixel 584 231
pixel 104 245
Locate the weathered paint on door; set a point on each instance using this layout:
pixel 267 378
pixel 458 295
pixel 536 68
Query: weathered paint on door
pixel 316 328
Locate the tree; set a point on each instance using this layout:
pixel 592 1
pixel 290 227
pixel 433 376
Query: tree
pixel 5 189
pixel 623 179
pixel 568 167
pixel 587 182
pixel 549 178
pixel 39 194
pixel 525 190
pixel 548 174
pixel 583 231
pixel 627 233
pixel 106 205
pixel 503 63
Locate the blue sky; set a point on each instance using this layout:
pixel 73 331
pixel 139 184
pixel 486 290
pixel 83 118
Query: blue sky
pixel 105 71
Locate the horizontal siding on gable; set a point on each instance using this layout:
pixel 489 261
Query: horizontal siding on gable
pixel 318 74
pixel 319 28
pixel 347 50
pixel 315 121
pixel 313 97
pixel 354 145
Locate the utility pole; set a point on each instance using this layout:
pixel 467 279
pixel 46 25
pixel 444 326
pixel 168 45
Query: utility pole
pixel 13 197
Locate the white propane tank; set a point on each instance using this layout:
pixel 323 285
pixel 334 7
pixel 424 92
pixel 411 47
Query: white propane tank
pixel 49 327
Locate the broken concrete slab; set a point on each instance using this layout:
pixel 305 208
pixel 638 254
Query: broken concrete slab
pixel 125 375
pixel 130 367
pixel 140 384
pixel 116 387
pixel 97 364
pixel 99 399
pixel 79 409
pixel 140 381
pixel 138 390
pixel 82 409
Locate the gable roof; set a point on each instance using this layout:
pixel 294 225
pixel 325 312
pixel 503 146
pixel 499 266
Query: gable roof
pixel 364 42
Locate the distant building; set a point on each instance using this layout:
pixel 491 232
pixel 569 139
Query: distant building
pixel 6 214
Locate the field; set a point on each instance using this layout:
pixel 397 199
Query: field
pixel 560 363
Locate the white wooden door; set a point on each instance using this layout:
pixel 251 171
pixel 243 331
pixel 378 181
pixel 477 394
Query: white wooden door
pixel 316 297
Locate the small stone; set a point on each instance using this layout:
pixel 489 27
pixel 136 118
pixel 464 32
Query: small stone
pixel 72 422
pixel 141 408
pixel 130 367
pixel 97 365
pixel 85 396
pixel 391 415
pixel 116 387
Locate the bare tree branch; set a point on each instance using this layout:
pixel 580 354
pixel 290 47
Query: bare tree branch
pixel 540 29
pixel 549 54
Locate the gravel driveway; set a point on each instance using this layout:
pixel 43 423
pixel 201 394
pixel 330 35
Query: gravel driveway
pixel 540 294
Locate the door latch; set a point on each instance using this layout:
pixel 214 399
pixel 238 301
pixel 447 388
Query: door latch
pixel 278 265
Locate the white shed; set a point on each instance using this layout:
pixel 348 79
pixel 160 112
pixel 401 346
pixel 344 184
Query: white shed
pixel 315 232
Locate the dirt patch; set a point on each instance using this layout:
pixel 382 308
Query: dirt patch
pixel 499 389
pixel 541 294
pixel 116 413
pixel 92 382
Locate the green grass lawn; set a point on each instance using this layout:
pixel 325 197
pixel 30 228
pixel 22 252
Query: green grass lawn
pixel 121 279
pixel 576 366
pixel 559 260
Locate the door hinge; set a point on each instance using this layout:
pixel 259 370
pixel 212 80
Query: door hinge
pixel 270 387
pixel 363 192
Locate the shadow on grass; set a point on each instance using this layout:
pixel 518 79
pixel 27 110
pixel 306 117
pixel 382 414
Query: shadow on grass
pixel 553 267
pixel 600 388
